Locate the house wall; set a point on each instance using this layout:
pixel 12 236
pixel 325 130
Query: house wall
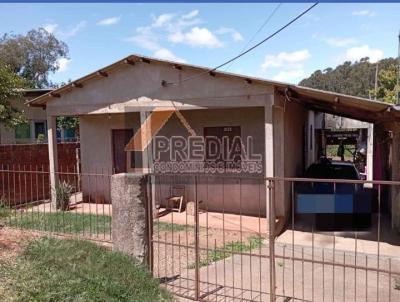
pixel 231 194
pixel 96 150
pixel 7 136
pixel 295 119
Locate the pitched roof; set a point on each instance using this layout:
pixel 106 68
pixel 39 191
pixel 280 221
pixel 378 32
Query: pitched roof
pixel 325 101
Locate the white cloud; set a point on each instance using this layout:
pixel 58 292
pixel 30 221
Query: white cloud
pixel 161 20
pixel 73 31
pixel 196 37
pixel 287 66
pixel 190 15
pixel 63 64
pixel 236 36
pixel 288 60
pixel 364 12
pixel 291 76
pixel 356 53
pixel 51 27
pixel 181 28
pixel 339 42
pixel 166 54
pixel 109 21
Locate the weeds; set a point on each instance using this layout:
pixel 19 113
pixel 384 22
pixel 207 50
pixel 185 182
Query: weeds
pixel 229 249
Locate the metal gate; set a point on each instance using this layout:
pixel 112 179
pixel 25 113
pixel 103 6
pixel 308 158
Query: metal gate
pixel 222 247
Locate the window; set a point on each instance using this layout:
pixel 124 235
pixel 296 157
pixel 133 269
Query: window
pixel 23 132
pixel 40 128
pixel 223 144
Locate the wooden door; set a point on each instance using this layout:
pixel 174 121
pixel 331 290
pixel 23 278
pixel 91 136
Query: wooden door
pixel 120 138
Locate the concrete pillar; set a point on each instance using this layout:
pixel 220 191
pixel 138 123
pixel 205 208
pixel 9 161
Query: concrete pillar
pixel 53 157
pixel 130 225
pixel 395 170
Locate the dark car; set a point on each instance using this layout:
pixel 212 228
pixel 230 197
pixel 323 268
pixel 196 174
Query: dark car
pixel 333 205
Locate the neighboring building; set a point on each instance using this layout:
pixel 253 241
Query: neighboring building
pixel 113 103
pixel 35 130
pixel 331 130
pixel 36 125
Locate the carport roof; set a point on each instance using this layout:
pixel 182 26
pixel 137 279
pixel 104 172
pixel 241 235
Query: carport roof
pixel 329 102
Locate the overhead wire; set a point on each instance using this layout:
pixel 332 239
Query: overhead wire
pixel 245 52
pixel 259 29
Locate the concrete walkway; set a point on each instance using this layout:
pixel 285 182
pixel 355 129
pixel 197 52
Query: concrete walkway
pixel 246 277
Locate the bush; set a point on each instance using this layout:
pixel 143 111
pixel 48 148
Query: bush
pixel 63 194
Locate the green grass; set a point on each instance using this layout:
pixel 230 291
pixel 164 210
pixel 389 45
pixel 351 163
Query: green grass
pixel 62 222
pixel 253 242
pixel 76 270
pixel 169 227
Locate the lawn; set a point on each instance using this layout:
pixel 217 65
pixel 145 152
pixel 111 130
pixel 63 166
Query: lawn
pixel 73 223
pixel 75 270
pixel 62 222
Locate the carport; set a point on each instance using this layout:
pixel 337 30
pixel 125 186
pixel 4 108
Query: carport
pixel 384 161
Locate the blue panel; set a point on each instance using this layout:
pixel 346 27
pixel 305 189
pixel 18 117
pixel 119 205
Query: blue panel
pixel 315 203
pixel 305 204
pixel 343 203
pixel 325 203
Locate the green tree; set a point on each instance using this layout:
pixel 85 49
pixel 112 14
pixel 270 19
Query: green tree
pixel 33 56
pixel 357 79
pixel 10 88
pixel 387 85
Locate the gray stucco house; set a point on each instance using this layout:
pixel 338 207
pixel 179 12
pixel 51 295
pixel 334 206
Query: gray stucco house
pixel 115 101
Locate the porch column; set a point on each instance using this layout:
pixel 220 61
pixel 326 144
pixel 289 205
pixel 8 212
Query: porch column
pixel 145 122
pixel 311 138
pixel 147 153
pixel 370 152
pixel 53 157
pixel 395 171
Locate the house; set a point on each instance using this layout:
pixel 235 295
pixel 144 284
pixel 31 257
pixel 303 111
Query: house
pixel 36 120
pixel 181 100
pixel 35 129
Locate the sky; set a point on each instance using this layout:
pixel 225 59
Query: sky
pixel 209 34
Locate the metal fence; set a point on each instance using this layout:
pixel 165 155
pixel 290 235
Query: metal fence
pixel 82 207
pixel 225 252
pixel 234 237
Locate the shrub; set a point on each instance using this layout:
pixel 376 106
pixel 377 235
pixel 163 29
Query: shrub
pixel 63 195
pixel 40 138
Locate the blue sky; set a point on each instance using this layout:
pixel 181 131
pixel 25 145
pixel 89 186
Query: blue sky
pixel 209 34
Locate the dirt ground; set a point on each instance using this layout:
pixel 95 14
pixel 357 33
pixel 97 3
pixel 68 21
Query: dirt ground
pixel 13 241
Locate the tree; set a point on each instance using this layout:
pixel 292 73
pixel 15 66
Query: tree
pixel 33 56
pixel 357 79
pixel 387 85
pixel 10 87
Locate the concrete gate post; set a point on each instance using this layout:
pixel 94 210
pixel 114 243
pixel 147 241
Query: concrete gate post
pixel 130 227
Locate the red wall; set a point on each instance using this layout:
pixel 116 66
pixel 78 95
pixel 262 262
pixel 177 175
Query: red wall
pixel 24 170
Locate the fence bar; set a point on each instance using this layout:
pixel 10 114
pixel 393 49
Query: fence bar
pixel 271 218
